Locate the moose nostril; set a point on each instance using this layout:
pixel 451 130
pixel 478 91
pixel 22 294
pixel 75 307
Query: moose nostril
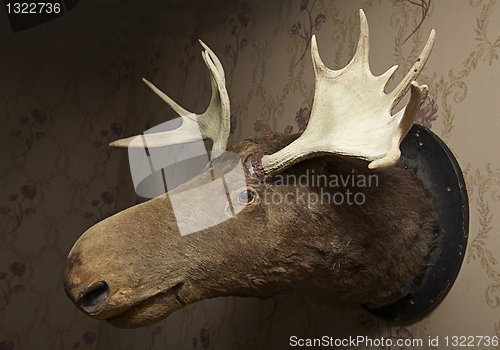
pixel 94 297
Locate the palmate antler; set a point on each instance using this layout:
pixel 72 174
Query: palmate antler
pixel 214 123
pixel 351 113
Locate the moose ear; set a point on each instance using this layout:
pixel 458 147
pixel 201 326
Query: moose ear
pixel 261 129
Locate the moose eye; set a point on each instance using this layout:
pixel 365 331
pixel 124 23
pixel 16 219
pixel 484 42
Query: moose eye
pixel 246 197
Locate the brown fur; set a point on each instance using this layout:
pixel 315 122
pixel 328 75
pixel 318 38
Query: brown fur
pixel 369 253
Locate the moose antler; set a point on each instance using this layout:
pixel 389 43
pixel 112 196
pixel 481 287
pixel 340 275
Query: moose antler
pixel 351 113
pixel 214 123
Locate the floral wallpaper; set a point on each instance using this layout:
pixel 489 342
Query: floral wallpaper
pixel 71 86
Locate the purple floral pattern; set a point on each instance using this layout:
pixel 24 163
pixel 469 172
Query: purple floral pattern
pixel 119 65
pixel 237 24
pixel 424 5
pixel 427 113
pixel 88 338
pixel 305 29
pixel 234 124
pixel 17 269
pixel 27 133
pixel 114 132
pixel 203 341
pixel 189 57
pixel 302 118
pixel 107 200
pixel 18 213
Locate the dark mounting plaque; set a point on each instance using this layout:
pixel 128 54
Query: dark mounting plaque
pixel 431 161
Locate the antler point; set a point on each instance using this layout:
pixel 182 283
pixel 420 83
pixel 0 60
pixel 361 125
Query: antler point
pixel 203 44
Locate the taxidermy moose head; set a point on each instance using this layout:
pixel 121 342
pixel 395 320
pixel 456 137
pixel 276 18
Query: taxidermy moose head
pixel 357 225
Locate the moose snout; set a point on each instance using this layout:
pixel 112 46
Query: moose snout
pixel 97 295
pixel 97 292
pixel 89 291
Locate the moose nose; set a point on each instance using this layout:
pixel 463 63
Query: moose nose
pixel 93 297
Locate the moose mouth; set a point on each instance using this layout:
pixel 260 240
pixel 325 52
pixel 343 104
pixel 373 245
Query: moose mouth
pixel 151 310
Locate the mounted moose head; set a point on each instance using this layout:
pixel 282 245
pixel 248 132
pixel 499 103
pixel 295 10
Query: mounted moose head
pixel 135 268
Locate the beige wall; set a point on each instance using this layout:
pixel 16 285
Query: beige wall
pixel 79 75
